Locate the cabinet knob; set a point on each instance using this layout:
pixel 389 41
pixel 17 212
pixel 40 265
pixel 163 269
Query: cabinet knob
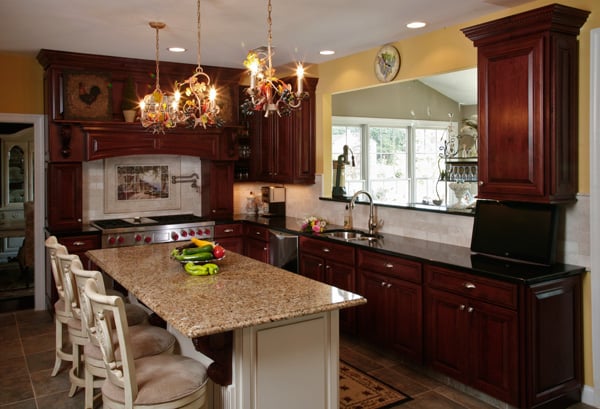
pixel 481 183
pixel 470 309
pixel 470 286
pixel 257 233
pixel 78 243
pixel 228 231
pixel 462 307
pixel 265 248
pixel 326 250
pixel 388 285
pixel 389 265
pixel 327 266
pixel 383 283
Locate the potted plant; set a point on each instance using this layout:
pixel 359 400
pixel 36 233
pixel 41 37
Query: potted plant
pixel 129 104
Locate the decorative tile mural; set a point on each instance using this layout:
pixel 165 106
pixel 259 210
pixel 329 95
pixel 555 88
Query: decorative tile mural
pixel 142 182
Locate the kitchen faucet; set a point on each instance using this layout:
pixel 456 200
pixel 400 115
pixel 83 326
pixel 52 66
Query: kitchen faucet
pixel 372 221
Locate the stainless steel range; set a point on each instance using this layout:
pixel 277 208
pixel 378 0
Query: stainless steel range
pixel 138 231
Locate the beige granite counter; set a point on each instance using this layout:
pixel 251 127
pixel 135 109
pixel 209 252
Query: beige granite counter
pixel 245 293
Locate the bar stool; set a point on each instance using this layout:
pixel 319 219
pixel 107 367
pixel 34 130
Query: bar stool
pixel 61 316
pixel 159 381
pixel 146 339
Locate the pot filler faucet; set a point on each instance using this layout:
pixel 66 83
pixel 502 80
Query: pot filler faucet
pixel 372 221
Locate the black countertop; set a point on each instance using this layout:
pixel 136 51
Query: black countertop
pixel 447 255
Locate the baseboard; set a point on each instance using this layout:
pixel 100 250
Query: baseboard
pixel 587 395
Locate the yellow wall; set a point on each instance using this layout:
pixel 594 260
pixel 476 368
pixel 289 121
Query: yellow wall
pixel 21 82
pixel 449 50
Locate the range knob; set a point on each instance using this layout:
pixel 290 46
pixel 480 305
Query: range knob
pixel 138 237
pixel 147 239
pixel 174 236
pixel 184 233
pixel 192 233
pixel 120 239
pixel 207 231
pixel 111 241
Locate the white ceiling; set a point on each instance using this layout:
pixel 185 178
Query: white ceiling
pixel 301 28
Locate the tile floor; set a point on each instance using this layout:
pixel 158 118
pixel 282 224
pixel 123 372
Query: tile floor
pixel 27 339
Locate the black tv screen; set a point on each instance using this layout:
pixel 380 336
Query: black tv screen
pixel 519 231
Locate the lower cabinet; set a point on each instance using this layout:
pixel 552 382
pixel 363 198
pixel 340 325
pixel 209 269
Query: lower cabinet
pixel 393 314
pixel 230 236
pixel 331 263
pixel 256 243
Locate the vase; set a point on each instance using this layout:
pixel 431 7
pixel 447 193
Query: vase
pixel 129 115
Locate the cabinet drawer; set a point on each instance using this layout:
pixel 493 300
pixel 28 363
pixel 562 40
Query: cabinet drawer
pixel 492 291
pixel 228 230
pixel 332 251
pixel 80 244
pixel 257 232
pixel 394 266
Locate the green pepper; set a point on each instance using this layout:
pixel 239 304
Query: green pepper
pixel 203 256
pixel 196 270
pixel 212 268
pixel 194 250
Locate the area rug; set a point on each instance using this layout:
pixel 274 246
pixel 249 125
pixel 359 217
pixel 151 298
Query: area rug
pixel 361 391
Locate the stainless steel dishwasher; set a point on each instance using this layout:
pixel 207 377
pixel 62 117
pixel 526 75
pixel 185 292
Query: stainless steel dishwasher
pixel 283 250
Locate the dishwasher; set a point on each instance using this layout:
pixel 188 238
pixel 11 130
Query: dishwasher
pixel 283 250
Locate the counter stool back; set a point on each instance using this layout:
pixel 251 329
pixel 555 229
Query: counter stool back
pixel 158 381
pixel 63 352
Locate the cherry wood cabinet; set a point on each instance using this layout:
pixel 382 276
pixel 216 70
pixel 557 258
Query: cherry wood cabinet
pixel 256 243
pixel 528 104
pixel 393 314
pixel 217 189
pixel 283 148
pixel 331 263
pixel 230 236
pixel 63 203
pixel 518 343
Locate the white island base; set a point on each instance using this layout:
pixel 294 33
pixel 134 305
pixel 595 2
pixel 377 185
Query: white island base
pixel 290 364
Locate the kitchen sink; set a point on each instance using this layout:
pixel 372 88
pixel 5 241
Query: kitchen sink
pixel 350 235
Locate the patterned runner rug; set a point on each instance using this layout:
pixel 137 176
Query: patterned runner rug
pixel 361 391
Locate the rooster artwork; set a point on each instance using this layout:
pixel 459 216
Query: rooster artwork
pixel 88 96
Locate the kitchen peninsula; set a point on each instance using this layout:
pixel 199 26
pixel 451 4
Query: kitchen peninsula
pixel 273 335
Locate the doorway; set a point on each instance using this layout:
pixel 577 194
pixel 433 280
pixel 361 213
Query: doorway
pixel 19 187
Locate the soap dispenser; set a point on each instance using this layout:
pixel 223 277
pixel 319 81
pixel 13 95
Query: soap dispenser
pixel 348 218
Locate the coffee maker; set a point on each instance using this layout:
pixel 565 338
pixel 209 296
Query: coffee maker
pixel 273 199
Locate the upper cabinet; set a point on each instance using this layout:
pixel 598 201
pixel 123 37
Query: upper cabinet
pixel 282 149
pixel 528 104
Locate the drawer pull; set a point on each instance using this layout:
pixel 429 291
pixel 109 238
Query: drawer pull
pixel 462 307
pixel 79 243
pixel 470 309
pixel 389 285
pixel 389 265
pixel 228 231
pixel 257 233
pixel 383 284
pixel 328 267
pixel 470 286
pixel 326 250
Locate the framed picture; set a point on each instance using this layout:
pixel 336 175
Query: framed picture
pixel 136 183
pixel 87 96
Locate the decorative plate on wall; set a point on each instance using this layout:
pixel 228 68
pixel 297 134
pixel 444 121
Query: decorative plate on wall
pixel 387 63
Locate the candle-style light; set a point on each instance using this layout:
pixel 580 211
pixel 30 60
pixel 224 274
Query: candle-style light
pixel 267 92
pixel 158 110
pixel 197 98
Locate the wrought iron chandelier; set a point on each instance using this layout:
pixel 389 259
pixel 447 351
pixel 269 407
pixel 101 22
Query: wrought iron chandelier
pixel 158 110
pixel 267 92
pixel 196 97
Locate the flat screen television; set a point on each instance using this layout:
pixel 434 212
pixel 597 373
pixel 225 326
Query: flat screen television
pixel 516 231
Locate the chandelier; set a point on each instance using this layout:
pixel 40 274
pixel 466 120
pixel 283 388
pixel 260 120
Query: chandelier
pixel 196 97
pixel 267 92
pixel 158 110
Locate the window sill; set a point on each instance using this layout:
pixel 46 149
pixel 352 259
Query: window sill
pixel 411 206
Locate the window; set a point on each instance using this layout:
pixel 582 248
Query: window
pixel 397 161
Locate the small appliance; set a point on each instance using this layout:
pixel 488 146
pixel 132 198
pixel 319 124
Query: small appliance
pixel 273 198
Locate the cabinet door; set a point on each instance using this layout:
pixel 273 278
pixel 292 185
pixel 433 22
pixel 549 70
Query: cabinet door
pixel 258 250
pixel 446 333
pixel 64 209
pixel 312 267
pixel 217 189
pixel 374 317
pixel 511 121
pixel 342 276
pixel 493 350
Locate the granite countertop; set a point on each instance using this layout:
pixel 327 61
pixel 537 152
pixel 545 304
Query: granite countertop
pixel 245 293
pixel 431 252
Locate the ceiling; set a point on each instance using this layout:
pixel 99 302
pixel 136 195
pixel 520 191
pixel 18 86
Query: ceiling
pixel 229 27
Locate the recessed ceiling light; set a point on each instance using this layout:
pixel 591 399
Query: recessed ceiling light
pixel 176 49
pixel 326 52
pixel 416 24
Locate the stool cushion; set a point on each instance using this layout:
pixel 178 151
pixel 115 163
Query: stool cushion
pixel 136 315
pixel 162 378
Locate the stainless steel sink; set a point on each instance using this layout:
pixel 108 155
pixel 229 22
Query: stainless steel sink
pixel 349 235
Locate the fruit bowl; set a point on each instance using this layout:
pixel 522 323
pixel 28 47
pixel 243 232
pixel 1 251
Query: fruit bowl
pixel 197 262
pixel 198 252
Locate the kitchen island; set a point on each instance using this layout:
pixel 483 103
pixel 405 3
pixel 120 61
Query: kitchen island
pixel 270 337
